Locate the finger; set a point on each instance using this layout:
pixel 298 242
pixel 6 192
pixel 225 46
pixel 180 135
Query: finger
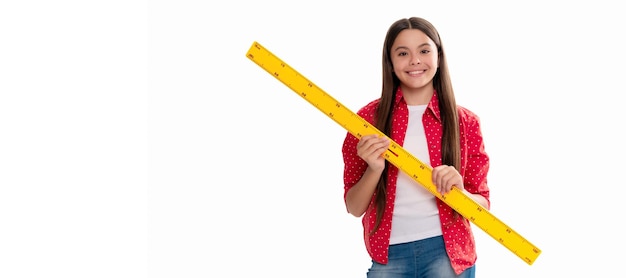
pixel 368 141
pixel 441 178
pixel 383 144
pixel 380 151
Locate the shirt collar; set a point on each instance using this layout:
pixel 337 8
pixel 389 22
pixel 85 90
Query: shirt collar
pixel 433 105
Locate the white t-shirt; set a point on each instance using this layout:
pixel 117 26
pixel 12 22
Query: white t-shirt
pixel 415 214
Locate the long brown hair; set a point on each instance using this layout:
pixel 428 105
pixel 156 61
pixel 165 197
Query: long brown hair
pixel 451 152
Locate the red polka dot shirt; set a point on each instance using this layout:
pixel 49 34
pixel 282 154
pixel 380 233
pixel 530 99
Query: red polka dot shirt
pixel 457 233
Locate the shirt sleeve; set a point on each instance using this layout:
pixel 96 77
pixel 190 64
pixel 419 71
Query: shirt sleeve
pixel 354 166
pixel 477 161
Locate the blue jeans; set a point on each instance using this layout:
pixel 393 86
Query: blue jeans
pixel 426 258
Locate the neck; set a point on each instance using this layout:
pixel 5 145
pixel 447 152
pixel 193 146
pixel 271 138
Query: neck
pixel 417 96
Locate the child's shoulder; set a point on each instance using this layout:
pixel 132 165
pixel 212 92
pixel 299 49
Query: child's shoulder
pixel 466 115
pixel 369 109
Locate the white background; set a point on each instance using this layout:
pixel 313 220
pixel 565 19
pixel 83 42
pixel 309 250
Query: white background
pixel 137 139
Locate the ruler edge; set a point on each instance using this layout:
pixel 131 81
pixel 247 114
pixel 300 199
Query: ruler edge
pixel 537 251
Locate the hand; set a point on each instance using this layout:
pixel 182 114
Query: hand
pixel 445 177
pixel 371 148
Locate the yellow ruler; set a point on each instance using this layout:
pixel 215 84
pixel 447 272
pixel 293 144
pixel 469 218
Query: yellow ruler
pixel 396 155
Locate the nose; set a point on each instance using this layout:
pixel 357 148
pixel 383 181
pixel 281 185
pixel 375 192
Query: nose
pixel 415 61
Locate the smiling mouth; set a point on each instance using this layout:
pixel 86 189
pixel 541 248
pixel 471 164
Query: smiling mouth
pixel 416 72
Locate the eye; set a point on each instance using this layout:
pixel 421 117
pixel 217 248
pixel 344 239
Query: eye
pixel 425 51
pixel 403 53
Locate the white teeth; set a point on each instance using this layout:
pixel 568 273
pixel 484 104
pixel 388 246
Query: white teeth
pixel 416 72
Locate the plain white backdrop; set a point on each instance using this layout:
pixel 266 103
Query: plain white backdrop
pixel 138 140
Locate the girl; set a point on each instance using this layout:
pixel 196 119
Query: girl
pixel 408 232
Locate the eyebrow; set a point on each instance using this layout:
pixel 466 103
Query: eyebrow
pixel 421 45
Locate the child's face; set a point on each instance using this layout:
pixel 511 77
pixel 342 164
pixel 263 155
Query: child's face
pixel 415 59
